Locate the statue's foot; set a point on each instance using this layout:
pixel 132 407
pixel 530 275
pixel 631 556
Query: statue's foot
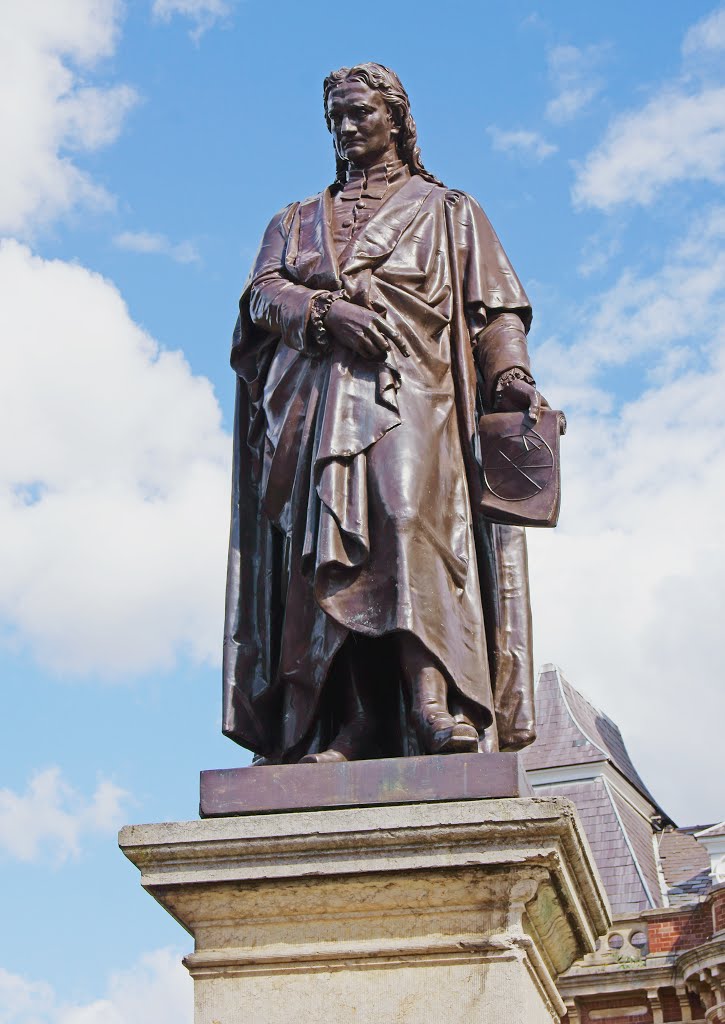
pixel 328 756
pixel 440 733
pixel 355 741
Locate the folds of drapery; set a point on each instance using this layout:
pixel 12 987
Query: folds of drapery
pixel 305 426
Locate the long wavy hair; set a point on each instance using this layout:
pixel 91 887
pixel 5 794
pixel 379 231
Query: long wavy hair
pixel 387 83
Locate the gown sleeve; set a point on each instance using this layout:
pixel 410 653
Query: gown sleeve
pixel 497 310
pixel 277 304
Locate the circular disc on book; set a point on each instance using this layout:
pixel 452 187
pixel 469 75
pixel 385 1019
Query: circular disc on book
pixel 518 466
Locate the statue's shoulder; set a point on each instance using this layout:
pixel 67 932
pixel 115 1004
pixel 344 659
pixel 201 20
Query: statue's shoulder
pixel 455 197
pixel 283 218
pixel 313 200
pixel 464 207
pixel 286 215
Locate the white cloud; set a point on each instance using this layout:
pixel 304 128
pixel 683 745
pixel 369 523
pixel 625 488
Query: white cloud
pixel 571 70
pixel 51 817
pixel 706 35
pixel 156 990
pixel 203 13
pixel 521 142
pixel 23 1001
pixel 150 243
pixel 628 591
pixel 597 253
pixel 676 136
pixel 647 316
pixel 48 112
pixel 114 486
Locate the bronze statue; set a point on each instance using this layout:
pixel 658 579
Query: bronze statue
pixel 371 609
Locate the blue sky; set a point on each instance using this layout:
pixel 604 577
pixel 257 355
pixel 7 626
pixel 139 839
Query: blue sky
pixel 146 145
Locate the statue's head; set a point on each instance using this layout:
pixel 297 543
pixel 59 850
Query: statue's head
pixel 386 83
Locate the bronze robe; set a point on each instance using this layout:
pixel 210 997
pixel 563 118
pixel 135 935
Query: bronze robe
pixel 356 484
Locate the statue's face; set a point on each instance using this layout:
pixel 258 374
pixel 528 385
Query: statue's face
pixel 361 124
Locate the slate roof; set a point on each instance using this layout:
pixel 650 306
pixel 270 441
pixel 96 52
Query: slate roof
pixel 641 837
pixel 711 830
pixel 635 857
pixel 614 831
pixel 685 864
pixel 572 731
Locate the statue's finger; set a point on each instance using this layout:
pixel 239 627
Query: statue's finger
pixel 401 346
pixel 369 350
pixel 535 406
pixel 377 339
pixel 384 327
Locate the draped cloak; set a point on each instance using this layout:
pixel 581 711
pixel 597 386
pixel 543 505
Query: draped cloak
pixel 356 484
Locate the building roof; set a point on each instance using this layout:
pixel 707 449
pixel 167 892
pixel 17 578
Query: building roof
pixel 621 842
pixel 639 833
pixel 707 832
pixel 619 827
pixel 685 864
pixel 572 731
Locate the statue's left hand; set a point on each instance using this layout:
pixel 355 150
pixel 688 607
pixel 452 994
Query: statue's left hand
pixel 519 395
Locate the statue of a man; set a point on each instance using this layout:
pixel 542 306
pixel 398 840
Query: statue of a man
pixel 371 610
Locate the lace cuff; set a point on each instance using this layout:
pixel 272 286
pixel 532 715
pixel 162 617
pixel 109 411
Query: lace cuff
pixel 506 378
pixel 319 309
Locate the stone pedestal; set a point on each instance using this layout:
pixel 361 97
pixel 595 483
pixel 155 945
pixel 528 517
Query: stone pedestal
pixel 427 913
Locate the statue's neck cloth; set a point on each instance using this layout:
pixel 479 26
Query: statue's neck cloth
pixel 361 196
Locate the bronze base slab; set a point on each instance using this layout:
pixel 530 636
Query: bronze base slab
pixel 392 780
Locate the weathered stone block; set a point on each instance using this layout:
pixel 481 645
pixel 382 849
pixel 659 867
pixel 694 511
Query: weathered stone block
pixel 406 914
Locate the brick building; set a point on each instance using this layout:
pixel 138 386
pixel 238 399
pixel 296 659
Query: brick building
pixel 664 958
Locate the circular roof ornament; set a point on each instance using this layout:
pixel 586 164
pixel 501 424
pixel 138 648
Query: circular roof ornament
pixel 719 871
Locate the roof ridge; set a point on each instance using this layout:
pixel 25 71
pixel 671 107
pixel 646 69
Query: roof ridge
pixel 551 667
pixel 590 722
pixel 560 675
pixel 637 866
pixel 717 829
pixel 561 681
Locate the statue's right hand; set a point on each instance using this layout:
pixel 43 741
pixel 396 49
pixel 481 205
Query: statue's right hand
pixel 362 330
